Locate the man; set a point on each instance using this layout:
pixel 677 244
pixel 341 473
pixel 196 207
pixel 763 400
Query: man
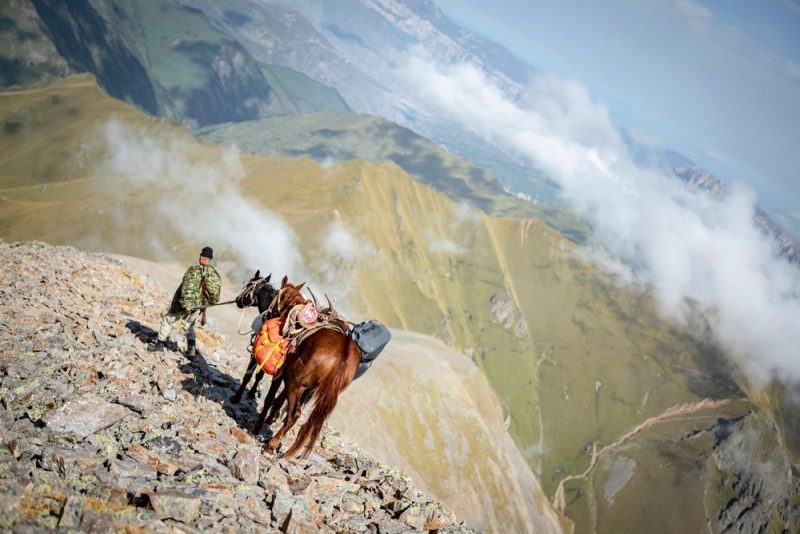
pixel 200 287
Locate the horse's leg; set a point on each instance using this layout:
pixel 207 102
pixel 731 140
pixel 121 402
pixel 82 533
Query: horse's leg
pixel 254 389
pixel 248 374
pixel 307 395
pixel 273 389
pixel 293 395
pixel 276 407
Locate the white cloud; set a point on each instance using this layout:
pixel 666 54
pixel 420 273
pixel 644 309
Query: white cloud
pixel 646 139
pixel 443 245
pixel 686 245
pixel 343 252
pixel 445 234
pixel 199 200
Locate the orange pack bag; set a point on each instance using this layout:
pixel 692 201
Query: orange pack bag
pixel 269 346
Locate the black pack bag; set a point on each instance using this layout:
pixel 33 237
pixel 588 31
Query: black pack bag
pixel 371 338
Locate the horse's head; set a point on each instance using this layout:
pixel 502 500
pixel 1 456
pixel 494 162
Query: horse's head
pixel 290 296
pixel 257 292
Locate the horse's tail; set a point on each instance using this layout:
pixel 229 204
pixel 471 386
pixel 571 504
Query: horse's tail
pixel 325 401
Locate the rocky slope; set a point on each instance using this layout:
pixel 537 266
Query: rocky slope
pixel 99 435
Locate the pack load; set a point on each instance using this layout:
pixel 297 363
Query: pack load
pixel 371 337
pixel 269 346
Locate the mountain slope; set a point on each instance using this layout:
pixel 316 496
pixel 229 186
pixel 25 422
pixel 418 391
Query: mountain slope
pixel 101 435
pixel 166 59
pixel 333 137
pixel 577 362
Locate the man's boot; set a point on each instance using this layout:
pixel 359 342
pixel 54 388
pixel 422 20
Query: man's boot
pixel 191 349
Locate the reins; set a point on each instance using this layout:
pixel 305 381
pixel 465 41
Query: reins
pixel 214 305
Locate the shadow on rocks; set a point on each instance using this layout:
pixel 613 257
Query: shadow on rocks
pixel 207 380
pixel 142 332
pixel 218 386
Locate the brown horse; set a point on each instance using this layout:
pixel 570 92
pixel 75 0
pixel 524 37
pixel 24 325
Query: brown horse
pixel 324 363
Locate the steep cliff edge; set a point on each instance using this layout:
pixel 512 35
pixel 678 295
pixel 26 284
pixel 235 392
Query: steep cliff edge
pixel 101 435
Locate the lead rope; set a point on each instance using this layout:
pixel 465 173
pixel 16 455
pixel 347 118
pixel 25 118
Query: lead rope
pixel 239 324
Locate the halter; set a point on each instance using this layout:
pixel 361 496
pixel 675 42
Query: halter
pixel 250 292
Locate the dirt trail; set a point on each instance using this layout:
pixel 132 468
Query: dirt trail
pixel 681 412
pixel 35 90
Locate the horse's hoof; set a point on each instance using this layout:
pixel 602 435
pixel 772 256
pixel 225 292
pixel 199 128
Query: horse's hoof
pixel 236 399
pixel 252 394
pixel 273 444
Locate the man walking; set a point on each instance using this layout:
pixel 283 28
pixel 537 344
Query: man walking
pixel 200 287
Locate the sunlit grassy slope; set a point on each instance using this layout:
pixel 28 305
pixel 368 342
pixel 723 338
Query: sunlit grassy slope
pixel 335 137
pixel 575 359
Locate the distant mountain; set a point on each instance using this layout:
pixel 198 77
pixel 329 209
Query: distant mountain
pixel 701 179
pixel 356 47
pixel 27 55
pixel 162 56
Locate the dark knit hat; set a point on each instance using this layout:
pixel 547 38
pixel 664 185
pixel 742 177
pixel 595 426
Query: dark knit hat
pixel 207 253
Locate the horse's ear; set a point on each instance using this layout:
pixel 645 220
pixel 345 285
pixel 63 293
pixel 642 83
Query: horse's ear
pixel 257 275
pixel 300 286
pixel 268 277
pixel 285 279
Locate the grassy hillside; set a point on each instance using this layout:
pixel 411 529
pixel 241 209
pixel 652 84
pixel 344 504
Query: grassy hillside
pixel 576 361
pixel 162 56
pixel 335 137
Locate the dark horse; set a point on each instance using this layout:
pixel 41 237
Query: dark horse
pixel 325 363
pixel 259 292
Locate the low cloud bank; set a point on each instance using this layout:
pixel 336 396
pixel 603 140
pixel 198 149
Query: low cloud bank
pixel 198 200
pixel 695 252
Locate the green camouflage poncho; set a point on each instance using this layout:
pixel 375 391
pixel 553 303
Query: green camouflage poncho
pixel 188 293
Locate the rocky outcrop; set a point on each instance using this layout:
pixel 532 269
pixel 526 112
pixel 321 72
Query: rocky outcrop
pixel 100 434
pixel 702 180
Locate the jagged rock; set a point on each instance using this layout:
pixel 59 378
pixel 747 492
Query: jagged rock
pixel 245 465
pixel 71 513
pixel 85 416
pixel 152 459
pixel 256 510
pixel 242 437
pixel 175 505
pixel 139 471
pixel 70 462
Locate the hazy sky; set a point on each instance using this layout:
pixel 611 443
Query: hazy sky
pixel 718 80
